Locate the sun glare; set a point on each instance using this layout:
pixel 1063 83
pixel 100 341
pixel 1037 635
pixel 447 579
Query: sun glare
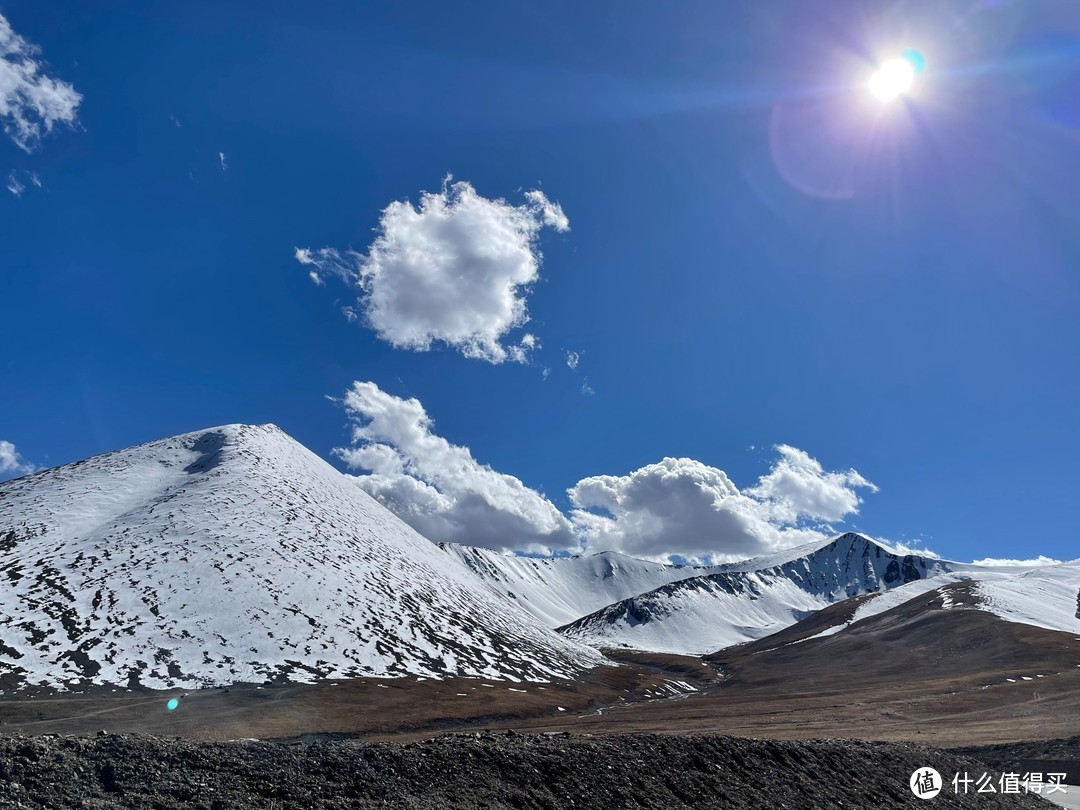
pixel 892 79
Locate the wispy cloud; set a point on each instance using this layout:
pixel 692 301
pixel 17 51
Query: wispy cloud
pixel 11 463
pixel 572 359
pixel 14 186
pixel 1035 562
pixel 456 270
pixel 223 161
pixel 17 186
pixel 901 547
pixel 31 101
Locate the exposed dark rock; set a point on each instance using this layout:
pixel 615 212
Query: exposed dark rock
pixel 477 770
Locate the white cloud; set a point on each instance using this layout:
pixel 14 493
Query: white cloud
pixel 586 389
pixel 223 161
pixel 1004 563
pixel 457 270
pixel 520 353
pixel 798 486
pixel 572 359
pixel 31 102
pixel 17 186
pixel 678 507
pixel 11 462
pixel 326 261
pixel 14 186
pixel 688 509
pixel 902 548
pixel 438 487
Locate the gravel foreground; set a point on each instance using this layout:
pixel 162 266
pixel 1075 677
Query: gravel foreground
pixel 1009 755
pixel 476 770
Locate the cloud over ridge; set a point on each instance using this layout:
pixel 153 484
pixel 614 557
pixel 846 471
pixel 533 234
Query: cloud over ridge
pixel 11 463
pixel 677 508
pixel 439 488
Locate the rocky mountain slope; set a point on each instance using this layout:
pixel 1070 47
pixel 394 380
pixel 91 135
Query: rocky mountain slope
pixel 560 590
pixel 235 554
pixel 750 600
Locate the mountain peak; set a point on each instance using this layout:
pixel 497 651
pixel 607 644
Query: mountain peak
pixel 234 553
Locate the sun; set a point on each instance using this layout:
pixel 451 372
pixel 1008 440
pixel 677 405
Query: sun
pixel 893 79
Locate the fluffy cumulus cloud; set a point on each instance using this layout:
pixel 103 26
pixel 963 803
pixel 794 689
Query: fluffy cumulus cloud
pixel 683 508
pixel 799 486
pixel 456 270
pixel 678 508
pixel 686 509
pixel 31 101
pixel 438 487
pixel 11 463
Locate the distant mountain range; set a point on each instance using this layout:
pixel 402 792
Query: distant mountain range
pixel 624 602
pixel 235 554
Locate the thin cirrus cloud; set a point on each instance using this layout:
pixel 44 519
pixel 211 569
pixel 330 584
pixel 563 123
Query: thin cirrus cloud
pixel 14 185
pixel 1036 562
pixel 678 508
pixel 31 101
pixel 11 463
pixel 457 270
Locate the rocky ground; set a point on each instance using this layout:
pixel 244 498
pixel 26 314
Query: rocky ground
pixel 474 770
pixel 1043 756
pixel 1009 754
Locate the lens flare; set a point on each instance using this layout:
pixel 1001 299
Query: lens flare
pixel 893 79
pixel 172 704
pixel 915 57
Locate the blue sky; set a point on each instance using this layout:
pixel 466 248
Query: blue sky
pixel 743 248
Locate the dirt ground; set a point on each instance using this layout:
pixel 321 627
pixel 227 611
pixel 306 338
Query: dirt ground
pixel 651 731
pixel 945 679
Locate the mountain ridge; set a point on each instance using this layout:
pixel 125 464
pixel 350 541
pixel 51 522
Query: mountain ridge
pixel 744 601
pixel 234 553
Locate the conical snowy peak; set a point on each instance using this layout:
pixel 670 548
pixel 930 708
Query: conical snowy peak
pixel 234 553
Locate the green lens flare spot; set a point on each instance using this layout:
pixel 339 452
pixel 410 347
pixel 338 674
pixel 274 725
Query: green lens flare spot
pixel 172 704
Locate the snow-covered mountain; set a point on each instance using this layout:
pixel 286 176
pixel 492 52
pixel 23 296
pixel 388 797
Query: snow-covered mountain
pixel 235 554
pixel 749 600
pixel 560 590
pixel 1044 596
